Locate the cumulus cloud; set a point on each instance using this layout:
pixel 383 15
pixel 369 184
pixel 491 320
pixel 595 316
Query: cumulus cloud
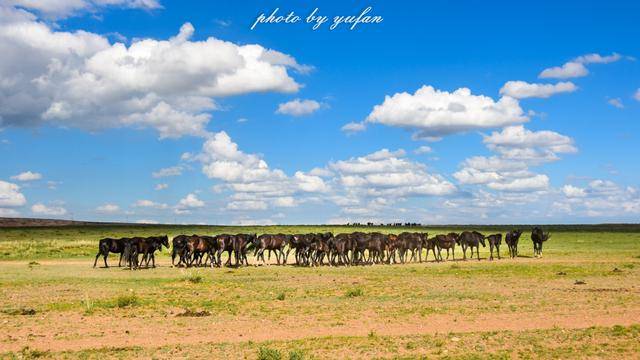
pixel 27 176
pixel 616 102
pixel 166 172
pixel 435 112
pixel 80 79
pixel 637 95
pixel 42 209
pixel 150 204
pixel 188 203
pixel 371 184
pixel 516 142
pixel 10 195
pixel 523 90
pixel 254 185
pixel 9 212
pixel 353 127
pixel 146 221
pixel 56 9
pixel 598 59
pixel 533 183
pixel 601 198
pixel 568 70
pixel 424 149
pixel 298 107
pixel 575 68
pixel 247 205
pixel 108 208
pixel 517 149
pixel 573 191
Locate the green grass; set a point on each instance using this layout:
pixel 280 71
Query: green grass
pixel 81 241
pixel 47 272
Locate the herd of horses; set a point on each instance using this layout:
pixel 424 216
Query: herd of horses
pixel 315 249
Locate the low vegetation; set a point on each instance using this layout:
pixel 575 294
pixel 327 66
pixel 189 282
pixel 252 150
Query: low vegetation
pixel 581 300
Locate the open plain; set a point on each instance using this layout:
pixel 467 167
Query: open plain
pixel 580 300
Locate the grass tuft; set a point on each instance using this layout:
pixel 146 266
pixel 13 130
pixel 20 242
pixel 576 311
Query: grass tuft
pixel 296 355
pixel 265 353
pixel 355 292
pixel 195 279
pixel 128 300
pixel 281 296
pixel 20 311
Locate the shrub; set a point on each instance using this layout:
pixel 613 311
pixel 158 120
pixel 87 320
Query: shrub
pixel 355 292
pixel 264 353
pixel 296 355
pixel 194 279
pixel 127 300
pixel 280 296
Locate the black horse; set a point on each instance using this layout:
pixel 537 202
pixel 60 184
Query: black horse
pixel 511 239
pixel 109 245
pixel 538 237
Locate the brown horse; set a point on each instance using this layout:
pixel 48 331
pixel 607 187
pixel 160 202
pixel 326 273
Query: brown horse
pixel 447 242
pixel 269 242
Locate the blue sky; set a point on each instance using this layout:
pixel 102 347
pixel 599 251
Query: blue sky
pixel 178 112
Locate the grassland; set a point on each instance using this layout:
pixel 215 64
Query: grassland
pixel 581 300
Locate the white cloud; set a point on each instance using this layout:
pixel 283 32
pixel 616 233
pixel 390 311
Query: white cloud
pixel 575 68
pixel 27 176
pixel 188 203
pixel 162 186
pixel 516 142
pixel 533 183
pixel 353 127
pixel 616 102
pixel 146 221
pixel 41 209
pixel 568 70
pixel 248 205
pixel 424 149
pixel 310 183
pixel 60 9
pixel 522 90
pixel 298 107
pixel 388 174
pixel 571 191
pixel 469 175
pixel 9 213
pixel 435 113
pixel 285 201
pixel 598 59
pixel 108 208
pixel 10 195
pixel 517 149
pixel 637 95
pixel 602 198
pixel 150 204
pixel 253 222
pixel 166 172
pixel 79 79
pixel 322 172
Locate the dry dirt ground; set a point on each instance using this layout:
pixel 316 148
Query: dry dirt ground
pixel 584 304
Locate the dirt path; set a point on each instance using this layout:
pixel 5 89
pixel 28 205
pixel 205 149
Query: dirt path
pixel 59 332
